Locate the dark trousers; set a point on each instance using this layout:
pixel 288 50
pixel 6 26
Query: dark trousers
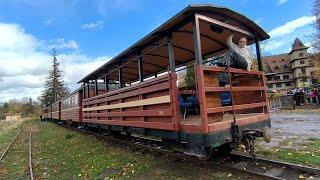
pixel 234 60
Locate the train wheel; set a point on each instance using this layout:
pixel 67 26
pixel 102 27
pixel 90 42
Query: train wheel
pixel 225 149
pixel 208 154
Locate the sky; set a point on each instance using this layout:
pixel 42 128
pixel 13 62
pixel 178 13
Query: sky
pixel 87 33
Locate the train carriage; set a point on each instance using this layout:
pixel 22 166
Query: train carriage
pixel 142 93
pixel 45 113
pixel 56 110
pixel 71 107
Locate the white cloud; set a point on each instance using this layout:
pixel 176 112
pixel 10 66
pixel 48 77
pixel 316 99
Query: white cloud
pixel 23 66
pixel 282 37
pixel 280 2
pixel 61 43
pixel 291 26
pixel 93 25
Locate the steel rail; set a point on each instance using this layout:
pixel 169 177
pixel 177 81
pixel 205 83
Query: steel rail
pixel 30 157
pixel 288 166
pixel 8 147
pixel 249 172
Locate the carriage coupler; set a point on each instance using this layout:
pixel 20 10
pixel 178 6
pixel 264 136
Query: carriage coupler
pixel 249 136
pixel 235 133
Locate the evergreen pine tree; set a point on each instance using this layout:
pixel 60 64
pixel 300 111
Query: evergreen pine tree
pixel 54 86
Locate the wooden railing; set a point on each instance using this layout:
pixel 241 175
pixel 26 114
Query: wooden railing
pixel 150 104
pixel 249 97
pixel 71 113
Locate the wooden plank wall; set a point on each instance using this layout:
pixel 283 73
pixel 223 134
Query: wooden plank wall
pixel 150 104
pixel 56 111
pixel 248 92
pixel 72 112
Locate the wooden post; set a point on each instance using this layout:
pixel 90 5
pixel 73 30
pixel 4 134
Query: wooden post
pixel 106 83
pixel 171 54
pixel 258 50
pixel 83 90
pixel 196 40
pixel 96 87
pixel 88 89
pixel 140 67
pixel 120 77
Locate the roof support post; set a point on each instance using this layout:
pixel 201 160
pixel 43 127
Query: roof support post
pixel 96 90
pixel 196 40
pixel 140 67
pixel 106 83
pixel 88 89
pixel 83 90
pixel 258 51
pixel 120 77
pixel 171 53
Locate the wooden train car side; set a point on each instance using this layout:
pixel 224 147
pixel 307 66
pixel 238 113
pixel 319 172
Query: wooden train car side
pixel 147 104
pixel 56 110
pixel 71 107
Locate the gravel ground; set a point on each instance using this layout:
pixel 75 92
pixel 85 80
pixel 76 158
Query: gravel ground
pixel 297 124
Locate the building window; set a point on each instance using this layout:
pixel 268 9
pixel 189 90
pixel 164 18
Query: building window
pixel 285 76
pixel 304 80
pixel 278 85
pixel 303 70
pixel 302 62
pixel 288 83
pixel 276 78
pixel 270 85
pixel 300 54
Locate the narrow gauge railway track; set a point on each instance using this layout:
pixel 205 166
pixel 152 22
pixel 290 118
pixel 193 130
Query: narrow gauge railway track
pixel 30 156
pixel 29 152
pixel 10 144
pixel 259 167
pixel 277 169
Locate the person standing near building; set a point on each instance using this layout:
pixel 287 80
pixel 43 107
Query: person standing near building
pixel 314 96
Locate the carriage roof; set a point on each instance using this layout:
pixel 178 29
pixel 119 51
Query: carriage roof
pixel 181 27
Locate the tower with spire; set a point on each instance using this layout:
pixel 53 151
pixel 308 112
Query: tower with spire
pixel 300 63
pixel 289 70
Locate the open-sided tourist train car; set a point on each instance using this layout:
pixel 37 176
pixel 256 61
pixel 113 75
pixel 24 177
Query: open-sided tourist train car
pixel 146 98
pixel 147 101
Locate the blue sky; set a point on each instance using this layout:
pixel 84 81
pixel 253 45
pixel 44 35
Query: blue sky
pixel 89 32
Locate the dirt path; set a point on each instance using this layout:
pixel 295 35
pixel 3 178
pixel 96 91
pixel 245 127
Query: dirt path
pixel 300 125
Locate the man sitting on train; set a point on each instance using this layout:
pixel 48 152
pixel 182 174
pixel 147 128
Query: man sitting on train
pixel 239 55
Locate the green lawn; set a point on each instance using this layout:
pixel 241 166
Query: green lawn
pixel 60 153
pixel 307 153
pixel 7 131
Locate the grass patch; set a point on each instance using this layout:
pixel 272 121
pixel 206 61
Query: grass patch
pixel 63 153
pixel 308 153
pixel 15 163
pixel 60 153
pixel 7 132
